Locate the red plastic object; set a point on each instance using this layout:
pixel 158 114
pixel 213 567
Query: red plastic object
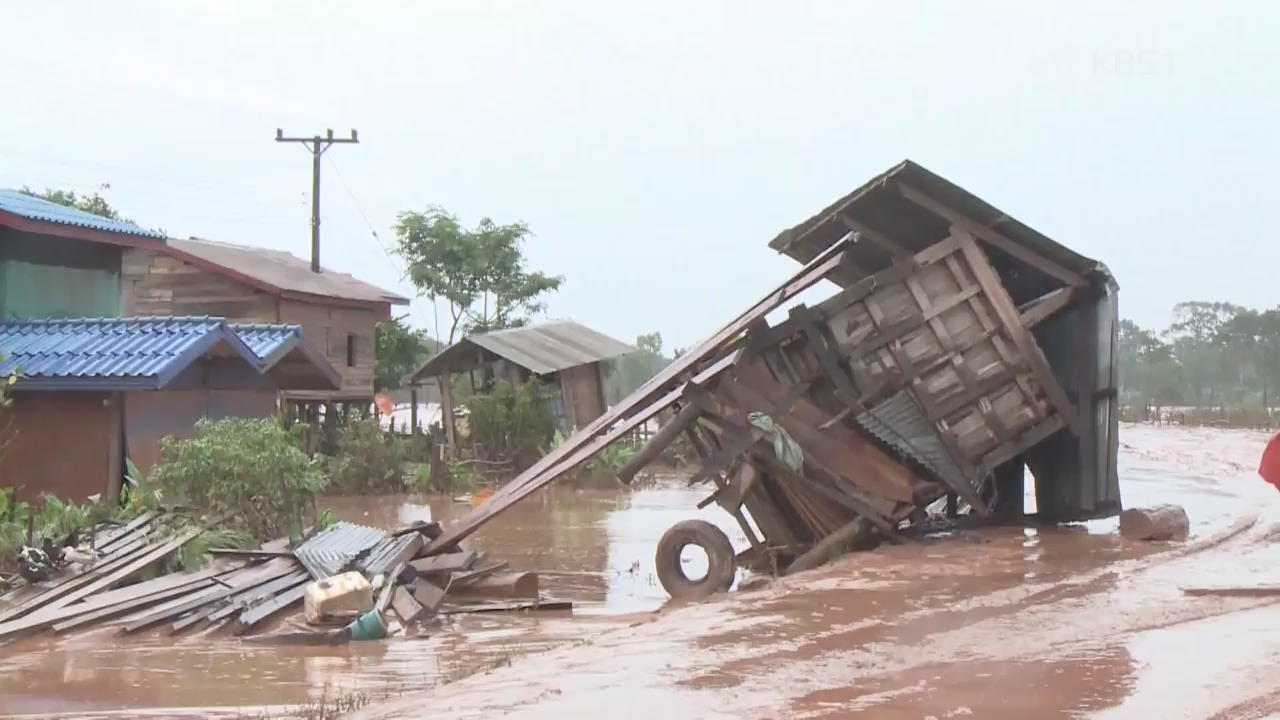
pixel 1269 468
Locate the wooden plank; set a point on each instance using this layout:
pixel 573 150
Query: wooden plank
pixel 991 236
pixel 1045 306
pixel 1021 337
pixel 514 605
pixel 246 596
pixel 127 605
pixel 49 599
pixel 406 605
pixel 255 615
pixel 131 527
pixel 445 563
pixel 1005 452
pixel 148 556
pixel 896 250
pixel 248 580
pixel 429 595
pixel 464 578
pixel 259 553
pixel 843 497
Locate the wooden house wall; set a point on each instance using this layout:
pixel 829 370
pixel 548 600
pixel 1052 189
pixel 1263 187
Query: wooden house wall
pixel 38 458
pixel 151 416
pixel 157 284
pixel 583 392
pixel 327 327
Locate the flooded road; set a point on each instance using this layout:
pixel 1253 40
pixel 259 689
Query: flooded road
pixel 1005 623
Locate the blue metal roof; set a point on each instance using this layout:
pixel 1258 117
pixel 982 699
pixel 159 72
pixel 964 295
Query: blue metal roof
pixel 110 353
pixel 268 340
pixel 34 208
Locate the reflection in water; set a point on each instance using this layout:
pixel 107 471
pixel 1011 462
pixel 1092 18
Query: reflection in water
pixel 592 546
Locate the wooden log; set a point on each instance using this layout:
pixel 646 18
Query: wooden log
pixel 853 532
pixel 1162 522
pixel 406 605
pixel 659 442
pixel 502 585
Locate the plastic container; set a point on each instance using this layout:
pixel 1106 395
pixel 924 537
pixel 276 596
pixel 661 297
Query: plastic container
pixel 346 594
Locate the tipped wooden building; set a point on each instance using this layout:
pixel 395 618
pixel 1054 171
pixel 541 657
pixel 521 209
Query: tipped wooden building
pixel 960 348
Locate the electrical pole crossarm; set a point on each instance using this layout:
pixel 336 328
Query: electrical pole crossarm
pixel 316 145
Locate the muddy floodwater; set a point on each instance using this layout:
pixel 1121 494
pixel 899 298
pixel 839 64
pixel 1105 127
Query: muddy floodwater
pixel 1002 623
pixel 591 546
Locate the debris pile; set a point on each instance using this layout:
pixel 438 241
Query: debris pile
pixel 339 571
pixel 959 349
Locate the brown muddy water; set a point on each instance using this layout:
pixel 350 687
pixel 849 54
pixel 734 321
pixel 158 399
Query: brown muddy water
pixel 592 546
pixel 1003 623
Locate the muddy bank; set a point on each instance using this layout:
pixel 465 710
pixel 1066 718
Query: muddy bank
pixel 1068 622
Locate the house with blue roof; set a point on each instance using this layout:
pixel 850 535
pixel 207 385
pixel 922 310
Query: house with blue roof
pixel 58 262
pixel 92 392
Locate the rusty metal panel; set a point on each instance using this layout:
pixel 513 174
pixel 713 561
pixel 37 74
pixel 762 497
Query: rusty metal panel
pixel 899 423
pixel 60 444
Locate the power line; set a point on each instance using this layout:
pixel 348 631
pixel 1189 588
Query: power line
pixel 372 231
pixel 318 146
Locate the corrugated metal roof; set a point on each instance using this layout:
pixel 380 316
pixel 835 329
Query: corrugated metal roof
pixel 899 423
pixel 110 353
pixel 272 343
pixel 877 203
pixel 34 208
pixel 540 349
pixel 268 340
pixel 282 271
pixel 333 549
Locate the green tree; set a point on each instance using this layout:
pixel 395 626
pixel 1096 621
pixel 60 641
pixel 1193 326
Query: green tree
pixel 1149 373
pixel 399 350
pixel 632 370
pixel 95 203
pixel 1198 344
pixel 480 272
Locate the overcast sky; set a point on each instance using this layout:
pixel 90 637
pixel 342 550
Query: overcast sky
pixel 655 148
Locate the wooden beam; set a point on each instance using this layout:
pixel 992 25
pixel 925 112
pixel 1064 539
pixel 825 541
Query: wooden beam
pixel 659 442
pixel 1012 322
pixel 898 251
pixel 1045 306
pixel 991 236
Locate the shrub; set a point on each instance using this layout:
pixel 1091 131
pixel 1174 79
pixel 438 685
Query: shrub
pixel 368 461
pixel 252 471
pixel 512 423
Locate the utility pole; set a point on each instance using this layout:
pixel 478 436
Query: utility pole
pixel 316 146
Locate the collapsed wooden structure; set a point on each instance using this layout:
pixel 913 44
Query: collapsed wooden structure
pixel 959 348
pixel 240 591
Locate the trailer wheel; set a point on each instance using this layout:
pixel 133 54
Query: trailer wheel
pixel 720 560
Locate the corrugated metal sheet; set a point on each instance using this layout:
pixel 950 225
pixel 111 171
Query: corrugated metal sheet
pixel 268 340
pixel 899 423
pixel 33 208
pixel 541 349
pixel 109 353
pixel 282 271
pixel 378 560
pixel 331 550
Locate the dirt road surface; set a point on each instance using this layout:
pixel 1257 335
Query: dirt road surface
pixel 1008 623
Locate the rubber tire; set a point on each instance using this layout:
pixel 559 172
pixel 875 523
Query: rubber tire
pixel 721 567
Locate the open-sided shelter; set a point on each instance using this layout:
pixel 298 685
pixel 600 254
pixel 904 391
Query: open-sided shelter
pixel 563 354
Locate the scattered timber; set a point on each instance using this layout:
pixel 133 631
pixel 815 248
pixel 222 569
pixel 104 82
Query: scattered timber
pixel 1162 522
pixel 501 585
